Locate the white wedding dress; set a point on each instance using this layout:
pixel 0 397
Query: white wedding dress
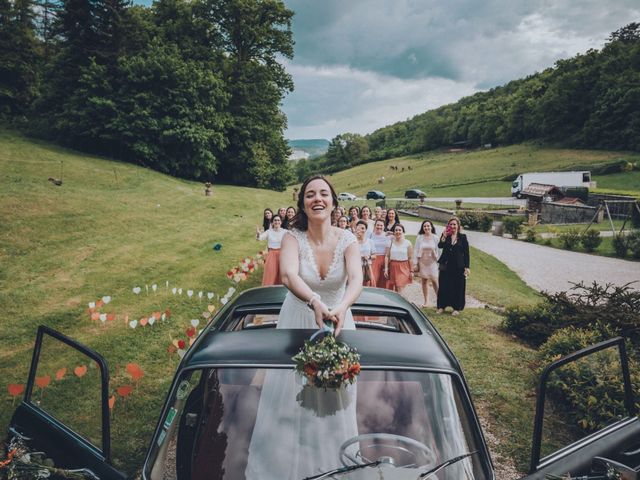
pixel 299 429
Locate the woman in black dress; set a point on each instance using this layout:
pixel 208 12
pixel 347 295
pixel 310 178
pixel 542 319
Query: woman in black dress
pixel 454 267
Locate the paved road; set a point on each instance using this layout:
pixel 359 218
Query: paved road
pixel 550 269
pixel 507 201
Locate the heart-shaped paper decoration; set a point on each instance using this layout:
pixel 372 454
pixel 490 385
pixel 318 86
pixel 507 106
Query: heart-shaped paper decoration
pixel 191 332
pixel 171 349
pixel 61 373
pixel 211 308
pixel 124 391
pixel 43 381
pixel 137 290
pixel 152 320
pixel 224 300
pixel 112 401
pixel 95 316
pixel 209 295
pixel 163 317
pixel 191 340
pixel 167 313
pixel 206 315
pixel 181 344
pixel 133 323
pixel 111 317
pixel 106 299
pixel 189 293
pixel 135 371
pixel 179 291
pixel 103 317
pixel 156 315
pixel 80 371
pixel 174 290
pixel 15 389
pixel 175 343
pixel 143 322
pixel 99 303
pixel 195 322
pixel 231 291
pixel 181 352
pixel 92 304
pixel 154 287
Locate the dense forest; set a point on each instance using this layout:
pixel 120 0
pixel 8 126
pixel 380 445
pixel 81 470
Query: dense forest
pixel 188 87
pixel 589 101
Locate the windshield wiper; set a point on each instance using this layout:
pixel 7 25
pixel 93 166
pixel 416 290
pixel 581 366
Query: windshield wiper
pixel 451 461
pixel 341 470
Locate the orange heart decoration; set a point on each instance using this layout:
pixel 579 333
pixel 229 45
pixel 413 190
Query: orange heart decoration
pixel 125 390
pixel 99 303
pixel 111 317
pixel 80 371
pixel 43 381
pixel 95 316
pixel 171 349
pixel 15 389
pixel 167 313
pixel 135 371
pixel 112 401
pixel 191 332
pixel 157 315
pixel 144 321
pixel 61 373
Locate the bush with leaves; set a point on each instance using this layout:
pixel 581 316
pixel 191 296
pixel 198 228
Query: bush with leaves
pixel 531 235
pixel 620 246
pixel 633 243
pixel 474 220
pixel 513 225
pixel 590 387
pixel 591 240
pixel 570 238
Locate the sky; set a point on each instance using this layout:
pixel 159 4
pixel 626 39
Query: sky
pixel 362 64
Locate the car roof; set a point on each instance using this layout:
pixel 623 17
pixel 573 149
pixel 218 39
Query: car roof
pixel 271 346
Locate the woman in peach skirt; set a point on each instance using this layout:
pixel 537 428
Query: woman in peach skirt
pixel 381 243
pixel 271 274
pixel 397 264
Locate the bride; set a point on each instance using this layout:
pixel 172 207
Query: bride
pixel 321 267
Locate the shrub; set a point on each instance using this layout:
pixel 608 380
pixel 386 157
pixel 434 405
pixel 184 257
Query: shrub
pixel 570 238
pixel 531 235
pixel 474 220
pixel 513 225
pixel 591 240
pixel 633 243
pixel 620 246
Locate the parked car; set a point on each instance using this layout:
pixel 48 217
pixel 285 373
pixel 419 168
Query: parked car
pixel 414 193
pixel 413 410
pixel 375 195
pixel 346 196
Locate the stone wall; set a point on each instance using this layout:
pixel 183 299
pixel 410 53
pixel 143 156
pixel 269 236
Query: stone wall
pixel 562 213
pixel 435 213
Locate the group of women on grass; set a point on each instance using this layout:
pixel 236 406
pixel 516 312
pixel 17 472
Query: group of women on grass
pixel 388 259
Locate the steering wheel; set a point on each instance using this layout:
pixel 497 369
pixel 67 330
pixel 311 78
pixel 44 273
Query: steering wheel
pixel 389 443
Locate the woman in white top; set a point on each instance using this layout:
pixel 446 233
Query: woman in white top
pixel 397 266
pixel 271 274
pixel 425 259
pixel 365 214
pixel 381 243
pixel 367 253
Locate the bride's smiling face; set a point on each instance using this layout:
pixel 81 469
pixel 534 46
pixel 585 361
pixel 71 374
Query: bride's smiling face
pixel 318 201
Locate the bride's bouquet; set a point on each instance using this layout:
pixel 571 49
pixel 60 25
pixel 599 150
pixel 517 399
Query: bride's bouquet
pixel 327 363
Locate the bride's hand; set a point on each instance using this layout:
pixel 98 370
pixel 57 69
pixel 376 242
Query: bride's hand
pixel 321 312
pixel 337 316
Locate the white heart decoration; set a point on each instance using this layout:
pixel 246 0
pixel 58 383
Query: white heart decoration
pixel 209 295
pixel 195 322
pixel 137 290
pixel 133 323
pixel 181 353
pixel 200 294
pixel 152 320
pixel 179 291
pixel 224 300
pixel 103 317
pixel 190 293
pixel 92 304
pixel 174 290
pixel 231 291
pixel 154 287
pixel 106 298
pixel 163 317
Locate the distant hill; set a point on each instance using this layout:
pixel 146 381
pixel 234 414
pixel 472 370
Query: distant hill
pixel 308 148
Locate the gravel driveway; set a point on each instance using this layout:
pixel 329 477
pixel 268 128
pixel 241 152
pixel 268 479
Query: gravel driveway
pixel 550 269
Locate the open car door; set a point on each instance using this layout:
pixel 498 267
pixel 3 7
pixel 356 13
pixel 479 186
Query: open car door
pixel 65 409
pixel 616 446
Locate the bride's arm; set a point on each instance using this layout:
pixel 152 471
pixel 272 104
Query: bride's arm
pixel 289 268
pixel 353 264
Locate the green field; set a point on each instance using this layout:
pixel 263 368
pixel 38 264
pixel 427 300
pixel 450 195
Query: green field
pixel 477 172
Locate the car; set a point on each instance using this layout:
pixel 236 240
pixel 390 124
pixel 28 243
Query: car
pixel 375 195
pixel 411 407
pixel 346 196
pixel 414 193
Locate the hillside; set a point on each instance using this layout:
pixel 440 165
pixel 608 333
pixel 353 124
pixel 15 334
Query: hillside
pixel 313 147
pixel 478 172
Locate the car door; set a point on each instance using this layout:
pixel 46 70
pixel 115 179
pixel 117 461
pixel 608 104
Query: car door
pixel 617 444
pixel 65 409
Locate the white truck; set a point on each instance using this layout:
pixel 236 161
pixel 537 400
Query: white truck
pixel 558 179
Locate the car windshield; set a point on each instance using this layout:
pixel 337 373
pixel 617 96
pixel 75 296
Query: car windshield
pixel 263 423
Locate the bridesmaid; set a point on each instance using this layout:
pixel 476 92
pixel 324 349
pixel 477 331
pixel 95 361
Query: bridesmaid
pixel 454 267
pixel 381 244
pixel 354 216
pixel 365 214
pixel 390 221
pixel 397 266
pixel 267 216
pixel 343 223
pixel 425 259
pixel 367 254
pixel 271 274
pixel 290 213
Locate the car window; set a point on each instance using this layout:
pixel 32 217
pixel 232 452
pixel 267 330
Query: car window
pixel 246 423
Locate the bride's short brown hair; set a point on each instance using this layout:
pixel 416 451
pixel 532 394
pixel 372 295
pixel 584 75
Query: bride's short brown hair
pixel 300 221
